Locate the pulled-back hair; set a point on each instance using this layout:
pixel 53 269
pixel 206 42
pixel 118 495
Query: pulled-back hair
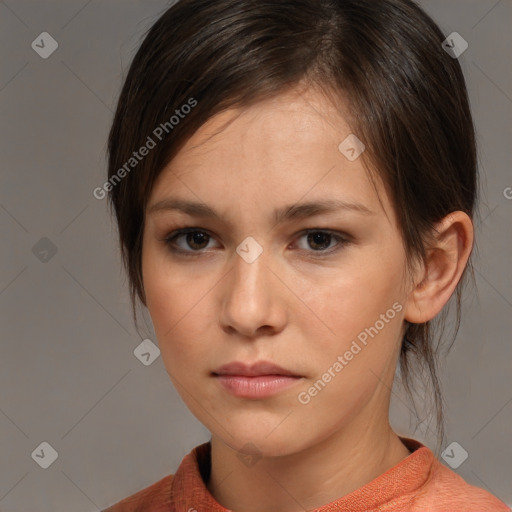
pixel 406 97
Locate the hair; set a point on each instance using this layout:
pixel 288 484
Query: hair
pixel 406 97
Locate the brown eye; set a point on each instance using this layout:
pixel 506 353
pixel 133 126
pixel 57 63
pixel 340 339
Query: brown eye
pixel 197 239
pixel 319 240
pixel 188 241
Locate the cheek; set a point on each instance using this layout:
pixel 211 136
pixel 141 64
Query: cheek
pixel 179 308
pixel 358 293
pixel 351 358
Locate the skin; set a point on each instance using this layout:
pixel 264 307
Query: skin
pixel 291 306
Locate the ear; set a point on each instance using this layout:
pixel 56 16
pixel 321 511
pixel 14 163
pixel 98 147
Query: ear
pixel 437 278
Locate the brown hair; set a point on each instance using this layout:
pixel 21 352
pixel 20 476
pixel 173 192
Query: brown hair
pixel 407 96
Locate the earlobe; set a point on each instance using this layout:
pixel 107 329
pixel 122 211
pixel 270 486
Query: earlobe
pixel 447 257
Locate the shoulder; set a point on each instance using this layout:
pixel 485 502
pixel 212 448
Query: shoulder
pixel 157 495
pixel 446 490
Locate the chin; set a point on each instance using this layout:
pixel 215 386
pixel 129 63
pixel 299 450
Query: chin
pixel 259 443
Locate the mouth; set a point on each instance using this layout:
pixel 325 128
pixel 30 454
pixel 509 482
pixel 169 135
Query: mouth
pixel 260 380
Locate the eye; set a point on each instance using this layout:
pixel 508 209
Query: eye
pixel 320 240
pixel 194 238
pixel 193 241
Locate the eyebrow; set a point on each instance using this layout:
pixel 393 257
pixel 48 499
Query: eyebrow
pixel 280 215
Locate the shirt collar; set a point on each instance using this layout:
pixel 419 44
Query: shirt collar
pixel 189 491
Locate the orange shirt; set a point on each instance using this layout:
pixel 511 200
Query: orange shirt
pixel 417 483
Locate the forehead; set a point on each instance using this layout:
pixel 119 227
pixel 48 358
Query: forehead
pixel 280 150
pixel 289 119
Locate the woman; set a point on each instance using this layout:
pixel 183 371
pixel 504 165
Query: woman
pixel 294 184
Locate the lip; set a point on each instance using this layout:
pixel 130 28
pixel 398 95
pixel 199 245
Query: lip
pixel 259 380
pixel 254 370
pixel 254 388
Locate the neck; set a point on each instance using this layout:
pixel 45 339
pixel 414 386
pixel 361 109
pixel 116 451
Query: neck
pixel 311 478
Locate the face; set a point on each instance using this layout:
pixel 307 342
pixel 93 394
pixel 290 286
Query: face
pixel 260 276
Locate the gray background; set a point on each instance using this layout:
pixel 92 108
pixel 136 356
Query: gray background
pixel 68 373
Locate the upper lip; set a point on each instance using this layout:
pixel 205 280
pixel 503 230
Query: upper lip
pixel 253 370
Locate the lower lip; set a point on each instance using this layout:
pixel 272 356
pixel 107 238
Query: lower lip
pixel 256 387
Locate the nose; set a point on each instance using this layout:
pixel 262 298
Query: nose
pixel 254 299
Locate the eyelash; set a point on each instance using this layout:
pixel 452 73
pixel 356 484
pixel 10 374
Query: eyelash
pixel 342 240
